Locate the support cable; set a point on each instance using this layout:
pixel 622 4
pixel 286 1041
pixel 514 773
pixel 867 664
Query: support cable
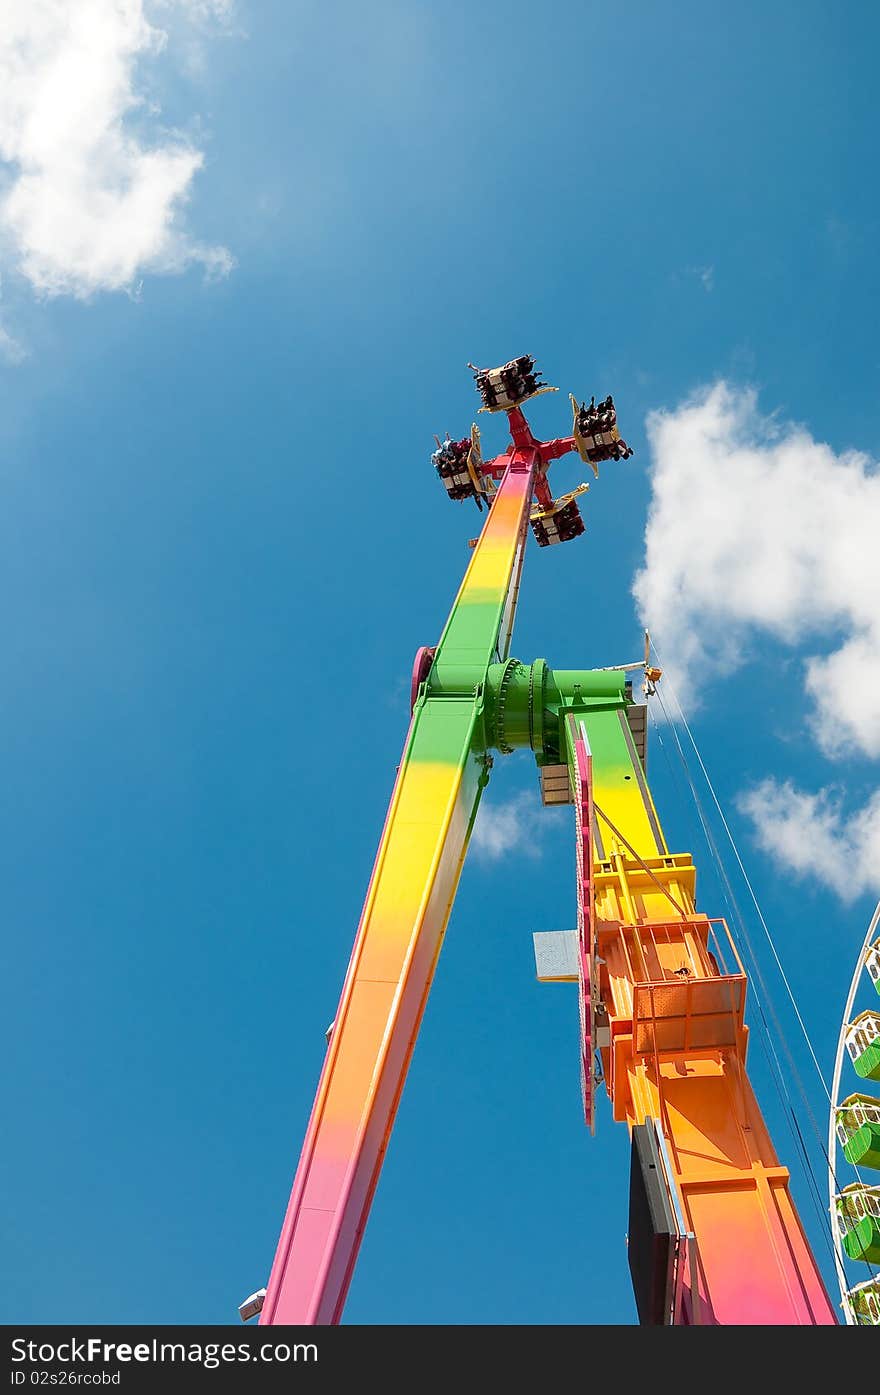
pixel 751 890
pixel 826 1151
pixel 765 1036
pixel 739 920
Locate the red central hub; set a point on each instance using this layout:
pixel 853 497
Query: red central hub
pixel 524 450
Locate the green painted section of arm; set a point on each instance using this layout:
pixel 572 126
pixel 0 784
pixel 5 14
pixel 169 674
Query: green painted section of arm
pixel 619 781
pixel 438 729
pixel 449 733
pixel 485 603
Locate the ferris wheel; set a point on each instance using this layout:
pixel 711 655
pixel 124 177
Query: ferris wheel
pixel 854 1130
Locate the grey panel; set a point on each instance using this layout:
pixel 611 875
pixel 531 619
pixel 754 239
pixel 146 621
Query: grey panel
pixel 652 1229
pixel 556 954
pixel 555 785
pixel 637 716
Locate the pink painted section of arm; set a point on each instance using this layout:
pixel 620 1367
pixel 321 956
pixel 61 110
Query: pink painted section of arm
pixel 380 1009
pixel 755 1265
pixel 586 918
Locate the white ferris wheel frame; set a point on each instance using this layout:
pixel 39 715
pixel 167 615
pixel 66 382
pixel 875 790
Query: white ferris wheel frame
pixel 832 1130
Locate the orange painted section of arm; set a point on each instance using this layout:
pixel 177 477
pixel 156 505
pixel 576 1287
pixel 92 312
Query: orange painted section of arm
pixel 383 998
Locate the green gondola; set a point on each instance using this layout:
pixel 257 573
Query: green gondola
pixel 863 1044
pixel 857 1121
pixel 864 1303
pixel 858 1220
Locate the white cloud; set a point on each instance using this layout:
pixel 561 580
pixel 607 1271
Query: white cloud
pixel 89 202
pixel 190 24
pixel 705 275
pixel 754 526
pixel 205 9
pixel 10 348
pixel 809 835
pixel 516 825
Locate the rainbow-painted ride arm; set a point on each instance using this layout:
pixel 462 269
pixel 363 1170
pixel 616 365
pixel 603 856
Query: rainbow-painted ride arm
pixel 433 805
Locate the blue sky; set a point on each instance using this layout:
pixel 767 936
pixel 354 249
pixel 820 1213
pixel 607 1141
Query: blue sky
pixel 222 542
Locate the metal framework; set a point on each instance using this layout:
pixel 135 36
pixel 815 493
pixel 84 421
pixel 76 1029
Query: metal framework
pixel 851 1121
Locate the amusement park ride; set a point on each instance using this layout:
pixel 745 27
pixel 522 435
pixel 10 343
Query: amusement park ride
pixel 714 1236
pixel 855 1126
